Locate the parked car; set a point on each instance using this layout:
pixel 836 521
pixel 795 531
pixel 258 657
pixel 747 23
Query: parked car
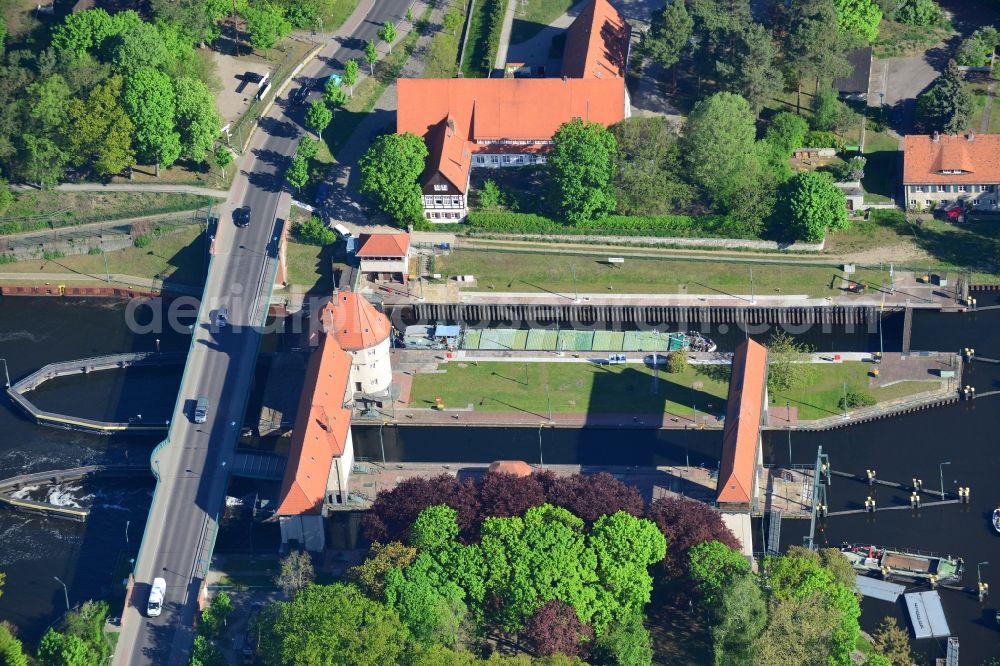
pixel 222 317
pixel 241 217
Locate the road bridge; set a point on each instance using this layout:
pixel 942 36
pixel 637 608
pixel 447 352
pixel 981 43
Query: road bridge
pixel 192 464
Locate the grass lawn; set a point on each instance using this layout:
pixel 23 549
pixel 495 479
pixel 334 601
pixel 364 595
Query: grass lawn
pixel 574 388
pixel 898 39
pixel 69 208
pixel 339 11
pixel 979 91
pixel 442 54
pixel 820 392
pixel 180 256
pixel 549 272
pixel 882 152
pixel 533 15
pixel 309 266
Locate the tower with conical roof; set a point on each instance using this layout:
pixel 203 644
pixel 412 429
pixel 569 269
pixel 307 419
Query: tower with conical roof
pixel 365 333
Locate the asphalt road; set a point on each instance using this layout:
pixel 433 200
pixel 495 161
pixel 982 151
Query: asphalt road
pixel 192 472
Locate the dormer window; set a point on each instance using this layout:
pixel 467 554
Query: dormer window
pixel 440 188
pixel 951 172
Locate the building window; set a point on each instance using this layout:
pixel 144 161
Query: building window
pixel 940 188
pixel 357 386
pixel 519 159
pixel 437 216
pixel 427 215
pixel 495 159
pixel 480 159
pixel 440 188
pixel 983 188
pixel 913 202
pixel 961 188
pixel 506 159
pixel 437 201
pixel 918 188
pixel 456 201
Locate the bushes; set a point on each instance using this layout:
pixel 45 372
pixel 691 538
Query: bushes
pixel 718 226
pixel 314 232
pixel 677 362
pixel 919 12
pixel 497 9
pixel 857 398
pixel 142 241
pixel 816 139
pixel 974 51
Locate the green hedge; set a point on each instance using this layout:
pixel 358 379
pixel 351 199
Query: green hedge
pixel 498 8
pixel 713 226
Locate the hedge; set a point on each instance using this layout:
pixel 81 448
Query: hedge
pixel 717 226
pixel 497 10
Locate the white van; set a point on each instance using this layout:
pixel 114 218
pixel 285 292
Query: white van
pixel 342 231
pixel 156 594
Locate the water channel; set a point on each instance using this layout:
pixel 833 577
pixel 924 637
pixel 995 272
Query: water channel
pixel 87 556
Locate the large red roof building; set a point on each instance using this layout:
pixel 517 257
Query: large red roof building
pixel 942 168
pixel 503 122
pixel 746 408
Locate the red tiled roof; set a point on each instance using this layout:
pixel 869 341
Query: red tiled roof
pixel 449 153
pixel 597 43
pixel 322 426
pixel 384 245
pixel 515 109
pixel 515 467
pixel 354 321
pixel 744 410
pixel 976 155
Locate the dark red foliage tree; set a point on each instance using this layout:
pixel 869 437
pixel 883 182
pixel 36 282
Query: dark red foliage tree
pixel 394 510
pixel 686 523
pixel 554 627
pixel 591 496
pixel 506 495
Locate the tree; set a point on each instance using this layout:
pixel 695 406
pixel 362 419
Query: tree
pixel 6 201
pixel 318 116
pixel 624 644
pixel 814 47
pixel 371 55
pixel 785 367
pixel 714 566
pixel 798 632
pixel 150 103
pixel 315 232
pixel 266 24
pixel 387 34
pixel 204 653
pixel 47 102
pixel 297 173
pixel 751 71
pixel 196 19
pixel 718 142
pixel 828 110
pixel 390 169
pixel 57 649
pixel 83 32
pixel 429 603
pixel 892 642
pixel 677 362
pixel 740 616
pixel 581 166
pixel 350 77
pixel 625 547
pixel 297 572
pixel 505 495
pixel 649 177
pixel 370 574
pixel 859 17
pixel 554 627
pixel 11 649
pixel 139 45
pixel 686 523
pixel 591 496
pixel 814 205
pixel 101 132
pixel 325 620
pixel 223 158
pixel 393 511
pixel 334 95
pixel 214 617
pixel 307 148
pixel 786 132
pixel 919 12
pixel 947 105
pixel 197 120
pixel 668 35
pixel 42 160
pixel 452 21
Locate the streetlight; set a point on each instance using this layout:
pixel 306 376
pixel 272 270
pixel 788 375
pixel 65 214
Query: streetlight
pixel 127 523
pixel 548 398
pixel 157 345
pixel 6 374
pixel 380 443
pixel 941 471
pixel 541 462
pixel 65 591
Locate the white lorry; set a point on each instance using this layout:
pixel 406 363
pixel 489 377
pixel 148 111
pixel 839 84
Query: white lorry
pixel 156 594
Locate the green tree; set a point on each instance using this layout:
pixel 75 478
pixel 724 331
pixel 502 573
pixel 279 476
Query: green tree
pixel 390 169
pixel 214 617
pixel 859 17
pixel 314 232
pixel 785 362
pixel 3 34
pixel 387 34
pixel 382 558
pixel 83 32
pixel 318 116
pixel 879 660
pixel 307 148
pixel 740 616
pixel 814 46
pixel 197 120
pixel 57 649
pixel 430 604
pixel 196 19
pixel 138 46
pixel 714 566
pixel 350 77
pixel 6 201
pixel 813 206
pixel 668 35
pixel 919 12
pixel 42 161
pixel 223 158
pixel 150 103
pixel 677 362
pixel 47 102
pixel 326 620
pixel 297 173
pixel 297 572
pixel 101 132
pixel 798 631
pixel 827 108
pixel 582 165
pixel 625 644
pixel 371 55
pixel 751 71
pixel 334 95
pixel 947 105
pixel 266 24
pixel 11 649
pixel 786 132
pixel 649 176
pixel 204 653
pixel 892 642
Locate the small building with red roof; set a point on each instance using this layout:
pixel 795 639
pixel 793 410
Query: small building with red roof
pixel 384 257
pixel 746 409
pixel 507 122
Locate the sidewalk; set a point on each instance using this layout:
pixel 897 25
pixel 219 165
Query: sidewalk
pixel 116 280
pixel 137 187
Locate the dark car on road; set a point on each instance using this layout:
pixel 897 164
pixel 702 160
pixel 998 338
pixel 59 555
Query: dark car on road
pixel 299 95
pixel 241 217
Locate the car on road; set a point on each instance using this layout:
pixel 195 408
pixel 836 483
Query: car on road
pixel 200 410
pixel 241 217
pixel 157 591
pixel 222 317
pixel 299 95
pixel 897 115
pixel 334 79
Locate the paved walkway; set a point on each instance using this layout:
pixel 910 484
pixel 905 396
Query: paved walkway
pixel 535 50
pixel 116 280
pixel 134 187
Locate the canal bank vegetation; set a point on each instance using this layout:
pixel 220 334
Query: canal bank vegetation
pixel 567 274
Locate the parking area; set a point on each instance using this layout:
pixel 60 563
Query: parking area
pixel 237 91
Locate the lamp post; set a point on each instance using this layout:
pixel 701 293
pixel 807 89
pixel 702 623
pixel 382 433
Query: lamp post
pixel 979 574
pixel 541 461
pixel 380 444
pixel 6 374
pixel 548 399
pixel 65 591
pixel 941 471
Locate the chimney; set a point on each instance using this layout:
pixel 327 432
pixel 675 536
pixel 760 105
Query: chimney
pixel 970 137
pixel 934 137
pixel 451 127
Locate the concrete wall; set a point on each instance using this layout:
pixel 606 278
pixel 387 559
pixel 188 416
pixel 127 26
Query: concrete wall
pixel 340 472
pixel 306 530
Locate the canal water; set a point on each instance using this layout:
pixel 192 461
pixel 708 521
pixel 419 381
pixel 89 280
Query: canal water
pixel 88 556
